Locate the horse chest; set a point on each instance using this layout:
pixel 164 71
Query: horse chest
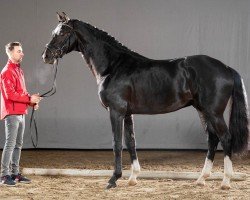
pixel 101 90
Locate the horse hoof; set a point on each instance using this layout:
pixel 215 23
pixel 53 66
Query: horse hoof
pixel 111 185
pixel 200 183
pixel 225 187
pixel 132 182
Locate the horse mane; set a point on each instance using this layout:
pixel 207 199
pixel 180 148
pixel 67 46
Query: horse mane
pixel 104 36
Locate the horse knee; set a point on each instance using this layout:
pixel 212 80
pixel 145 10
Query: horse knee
pixel 19 145
pixel 117 149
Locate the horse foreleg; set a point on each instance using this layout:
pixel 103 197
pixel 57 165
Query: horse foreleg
pixel 131 146
pixel 117 129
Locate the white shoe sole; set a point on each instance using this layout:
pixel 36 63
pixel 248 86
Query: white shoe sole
pixel 6 185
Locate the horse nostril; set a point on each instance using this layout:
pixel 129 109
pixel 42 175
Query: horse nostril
pixel 58 52
pixel 45 58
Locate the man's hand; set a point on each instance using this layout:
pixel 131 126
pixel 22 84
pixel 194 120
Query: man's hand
pixel 35 98
pixel 36 106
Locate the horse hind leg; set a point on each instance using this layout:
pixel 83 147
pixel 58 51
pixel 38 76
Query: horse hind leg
pixel 131 146
pixel 220 129
pixel 213 141
pixel 225 139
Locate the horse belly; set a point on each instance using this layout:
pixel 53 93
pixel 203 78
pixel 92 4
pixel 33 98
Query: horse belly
pixel 158 109
pixel 161 101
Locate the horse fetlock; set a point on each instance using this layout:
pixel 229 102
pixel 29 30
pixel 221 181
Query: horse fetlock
pixel 114 178
pixel 200 181
pixel 136 167
pixel 118 175
pixel 111 185
pixel 112 182
pixel 228 175
pixel 136 170
pixel 207 174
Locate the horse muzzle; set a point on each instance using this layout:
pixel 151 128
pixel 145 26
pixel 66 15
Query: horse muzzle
pixel 47 60
pixel 48 57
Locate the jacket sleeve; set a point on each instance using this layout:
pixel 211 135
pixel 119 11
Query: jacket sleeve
pixel 8 87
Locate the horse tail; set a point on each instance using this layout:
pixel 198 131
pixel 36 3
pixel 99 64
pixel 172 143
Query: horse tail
pixel 238 124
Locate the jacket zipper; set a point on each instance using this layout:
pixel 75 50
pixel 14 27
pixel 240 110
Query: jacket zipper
pixel 13 106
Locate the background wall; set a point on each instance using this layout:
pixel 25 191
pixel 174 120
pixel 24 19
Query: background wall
pixel 158 29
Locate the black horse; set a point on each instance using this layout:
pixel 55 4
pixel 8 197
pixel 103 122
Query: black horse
pixel 129 83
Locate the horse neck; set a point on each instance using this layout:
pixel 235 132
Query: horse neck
pixel 97 54
pixel 97 61
pixel 101 56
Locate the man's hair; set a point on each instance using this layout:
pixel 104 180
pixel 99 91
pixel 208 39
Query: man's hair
pixel 10 46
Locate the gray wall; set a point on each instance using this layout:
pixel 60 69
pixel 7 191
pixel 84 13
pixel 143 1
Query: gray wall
pixel 159 29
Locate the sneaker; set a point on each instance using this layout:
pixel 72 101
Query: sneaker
pixel 20 178
pixel 7 180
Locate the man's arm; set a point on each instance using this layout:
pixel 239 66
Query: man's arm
pixel 8 87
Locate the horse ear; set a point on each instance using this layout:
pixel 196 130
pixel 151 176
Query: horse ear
pixel 66 18
pixel 59 17
pixel 62 17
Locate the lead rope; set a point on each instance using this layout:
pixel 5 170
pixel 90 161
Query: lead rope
pixel 46 94
pixel 49 93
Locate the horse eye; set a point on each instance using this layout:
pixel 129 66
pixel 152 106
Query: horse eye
pixel 61 34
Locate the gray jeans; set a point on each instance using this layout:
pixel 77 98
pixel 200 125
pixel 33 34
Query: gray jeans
pixel 14 130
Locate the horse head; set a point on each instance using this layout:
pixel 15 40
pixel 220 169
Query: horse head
pixel 63 41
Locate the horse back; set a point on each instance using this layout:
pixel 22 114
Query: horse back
pixel 161 86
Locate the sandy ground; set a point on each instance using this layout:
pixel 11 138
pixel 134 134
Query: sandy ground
pixel 63 187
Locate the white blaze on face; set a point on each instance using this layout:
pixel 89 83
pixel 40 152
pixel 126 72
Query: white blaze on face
pixel 57 30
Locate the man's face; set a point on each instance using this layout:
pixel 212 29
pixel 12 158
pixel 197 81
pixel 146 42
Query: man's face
pixel 16 54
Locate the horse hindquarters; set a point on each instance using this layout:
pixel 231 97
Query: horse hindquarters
pixel 233 139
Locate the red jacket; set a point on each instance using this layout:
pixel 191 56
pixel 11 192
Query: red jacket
pixel 14 96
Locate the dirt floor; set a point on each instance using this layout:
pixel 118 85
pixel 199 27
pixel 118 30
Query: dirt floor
pixel 64 187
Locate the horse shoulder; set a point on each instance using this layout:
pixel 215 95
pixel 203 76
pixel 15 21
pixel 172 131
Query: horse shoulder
pixel 102 86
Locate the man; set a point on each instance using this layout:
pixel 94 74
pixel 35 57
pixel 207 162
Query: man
pixel 14 103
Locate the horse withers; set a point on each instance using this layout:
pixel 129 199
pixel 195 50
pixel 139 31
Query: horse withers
pixel 129 83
